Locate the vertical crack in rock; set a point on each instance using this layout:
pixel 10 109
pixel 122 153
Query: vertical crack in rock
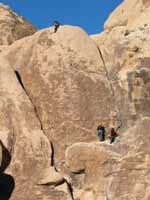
pixel 69 187
pixel 22 85
pixel 111 86
pixel 52 154
pixel 12 141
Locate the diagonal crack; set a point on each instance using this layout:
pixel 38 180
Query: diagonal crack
pixel 69 186
pixel 23 87
pixel 106 72
pixel 70 189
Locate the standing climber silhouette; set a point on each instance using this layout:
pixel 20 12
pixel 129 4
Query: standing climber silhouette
pixel 113 135
pixel 56 25
pixel 101 133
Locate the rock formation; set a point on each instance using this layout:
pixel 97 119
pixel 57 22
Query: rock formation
pixel 133 15
pixel 13 27
pixel 64 76
pixel 55 88
pixel 117 171
pixel 126 57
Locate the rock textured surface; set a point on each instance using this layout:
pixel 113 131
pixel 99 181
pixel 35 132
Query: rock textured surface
pixel 126 57
pixel 65 70
pixel 24 143
pixel 133 15
pixel 13 27
pixel 55 88
pixel 118 171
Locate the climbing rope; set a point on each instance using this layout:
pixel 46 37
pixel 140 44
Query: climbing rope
pixel 111 88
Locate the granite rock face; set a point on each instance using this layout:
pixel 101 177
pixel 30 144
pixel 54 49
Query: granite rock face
pixel 55 88
pixel 126 57
pixel 133 15
pixel 24 144
pixel 13 27
pixel 61 72
pixel 118 171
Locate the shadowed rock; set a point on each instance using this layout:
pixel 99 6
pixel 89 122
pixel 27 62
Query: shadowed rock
pixel 7 183
pixel 5 157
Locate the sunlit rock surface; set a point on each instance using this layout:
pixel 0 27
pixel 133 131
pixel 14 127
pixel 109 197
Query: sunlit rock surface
pixel 13 27
pixel 55 88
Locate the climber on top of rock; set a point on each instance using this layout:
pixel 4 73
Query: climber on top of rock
pixel 56 25
pixel 101 133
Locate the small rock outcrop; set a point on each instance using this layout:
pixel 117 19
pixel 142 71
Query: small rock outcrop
pixel 13 27
pixel 133 15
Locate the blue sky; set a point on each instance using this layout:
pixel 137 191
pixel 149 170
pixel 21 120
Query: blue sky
pixel 88 14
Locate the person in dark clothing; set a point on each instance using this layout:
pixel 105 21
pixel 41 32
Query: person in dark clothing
pixel 56 25
pixel 113 135
pixel 101 133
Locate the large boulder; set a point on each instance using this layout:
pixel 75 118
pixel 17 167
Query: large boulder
pixel 64 77
pixel 25 152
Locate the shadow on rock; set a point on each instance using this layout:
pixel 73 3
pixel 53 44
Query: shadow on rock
pixel 6 158
pixel 7 183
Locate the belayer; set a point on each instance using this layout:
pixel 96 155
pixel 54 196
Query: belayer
pixel 113 134
pixel 56 25
pixel 101 133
